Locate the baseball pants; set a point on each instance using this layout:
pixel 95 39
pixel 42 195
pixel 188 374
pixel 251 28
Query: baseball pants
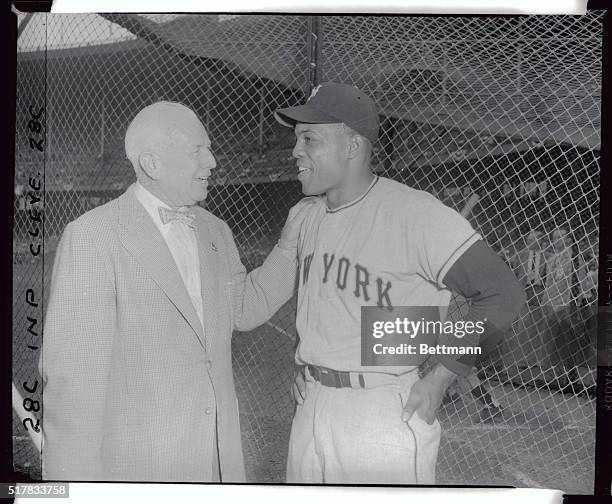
pixel 356 436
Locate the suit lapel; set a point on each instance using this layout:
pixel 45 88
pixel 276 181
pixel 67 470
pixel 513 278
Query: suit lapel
pixel 209 276
pixel 143 240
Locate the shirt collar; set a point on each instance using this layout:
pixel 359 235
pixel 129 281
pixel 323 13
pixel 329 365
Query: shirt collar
pixel 150 202
pixel 356 200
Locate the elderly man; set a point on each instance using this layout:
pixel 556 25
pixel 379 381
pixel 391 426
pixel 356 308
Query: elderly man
pixel 367 241
pixel 145 293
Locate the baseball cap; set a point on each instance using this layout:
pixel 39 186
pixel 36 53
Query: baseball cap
pixel 331 103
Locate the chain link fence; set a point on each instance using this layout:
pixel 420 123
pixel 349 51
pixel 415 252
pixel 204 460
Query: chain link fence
pixel 500 111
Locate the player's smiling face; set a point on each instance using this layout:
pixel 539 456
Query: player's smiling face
pixel 321 153
pixel 187 163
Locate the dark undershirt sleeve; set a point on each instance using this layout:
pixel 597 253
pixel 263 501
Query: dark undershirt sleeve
pixel 495 295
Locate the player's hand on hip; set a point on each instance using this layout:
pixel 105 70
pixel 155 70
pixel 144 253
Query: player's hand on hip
pixel 427 393
pixel 293 224
pixel 299 386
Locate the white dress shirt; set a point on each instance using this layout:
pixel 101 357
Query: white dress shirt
pixel 182 242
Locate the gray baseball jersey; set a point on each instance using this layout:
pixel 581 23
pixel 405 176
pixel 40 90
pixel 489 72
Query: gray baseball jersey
pixel 390 247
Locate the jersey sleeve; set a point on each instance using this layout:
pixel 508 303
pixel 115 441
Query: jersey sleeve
pixel 496 298
pixel 439 236
pixel 258 295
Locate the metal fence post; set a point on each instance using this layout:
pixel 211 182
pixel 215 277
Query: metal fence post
pixel 314 52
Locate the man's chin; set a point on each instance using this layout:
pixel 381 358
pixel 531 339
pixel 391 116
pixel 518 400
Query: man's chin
pixel 200 196
pixel 310 191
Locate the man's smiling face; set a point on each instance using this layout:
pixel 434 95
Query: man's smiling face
pixel 321 153
pixel 187 163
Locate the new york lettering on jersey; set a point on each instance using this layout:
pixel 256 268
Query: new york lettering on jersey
pixel 337 256
pixel 344 272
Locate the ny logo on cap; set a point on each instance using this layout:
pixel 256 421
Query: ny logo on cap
pixel 315 90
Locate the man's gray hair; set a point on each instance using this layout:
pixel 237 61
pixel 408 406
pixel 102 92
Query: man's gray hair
pixel 150 124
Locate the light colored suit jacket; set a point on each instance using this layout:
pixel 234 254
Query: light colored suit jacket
pixel 133 382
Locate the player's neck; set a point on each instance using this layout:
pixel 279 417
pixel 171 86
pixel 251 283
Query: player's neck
pixel 349 191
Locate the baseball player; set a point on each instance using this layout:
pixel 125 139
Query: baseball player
pixel 559 268
pixel 529 263
pixel 369 241
pixel 558 297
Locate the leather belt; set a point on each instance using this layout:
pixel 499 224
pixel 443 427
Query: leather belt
pixel 337 379
pixel 345 379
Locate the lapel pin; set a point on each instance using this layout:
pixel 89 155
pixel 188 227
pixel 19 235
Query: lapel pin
pixel 214 247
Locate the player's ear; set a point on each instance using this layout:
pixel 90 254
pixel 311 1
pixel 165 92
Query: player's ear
pixel 150 164
pixel 355 145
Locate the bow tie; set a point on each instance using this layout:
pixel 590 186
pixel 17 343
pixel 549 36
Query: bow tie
pixel 183 217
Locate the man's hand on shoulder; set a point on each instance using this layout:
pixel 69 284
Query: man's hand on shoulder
pixel 293 224
pixel 427 393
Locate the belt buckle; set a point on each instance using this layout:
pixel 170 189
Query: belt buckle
pixel 336 379
pixel 328 377
pixel 324 377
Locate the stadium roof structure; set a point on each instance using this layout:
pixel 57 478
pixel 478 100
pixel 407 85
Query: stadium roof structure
pixel 524 78
pixel 458 75
pixel 276 44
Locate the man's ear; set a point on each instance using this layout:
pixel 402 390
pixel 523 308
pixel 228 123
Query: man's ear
pixel 355 144
pixel 150 164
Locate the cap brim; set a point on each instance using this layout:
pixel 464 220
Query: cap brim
pixel 303 114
